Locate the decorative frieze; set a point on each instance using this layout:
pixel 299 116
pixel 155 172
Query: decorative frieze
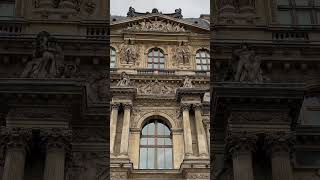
pixel 154 26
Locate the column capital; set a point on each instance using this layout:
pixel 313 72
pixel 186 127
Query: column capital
pixel 16 138
pixel 197 106
pixel 56 138
pixel 241 143
pixel 185 106
pixel 115 105
pixel 279 143
pixel 127 105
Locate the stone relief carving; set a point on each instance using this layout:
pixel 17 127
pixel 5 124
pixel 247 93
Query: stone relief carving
pixel 97 89
pixel 129 53
pixel 155 88
pixel 89 135
pixel 187 83
pixel 87 6
pixel 88 166
pixel 48 60
pixel 248 68
pixel 138 113
pixel 124 81
pixel 245 66
pixel 182 55
pixel 156 26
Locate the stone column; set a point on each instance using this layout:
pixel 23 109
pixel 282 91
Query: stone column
pixel 113 125
pixel 125 130
pixel 201 135
pixel 279 148
pixel 57 141
pixel 187 130
pixel 16 154
pixel 241 146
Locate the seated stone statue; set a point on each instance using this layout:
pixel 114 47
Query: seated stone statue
pixel 47 57
pixel 124 81
pixel 187 83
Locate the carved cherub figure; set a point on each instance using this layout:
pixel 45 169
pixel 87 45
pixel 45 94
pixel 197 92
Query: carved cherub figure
pixel 187 83
pixel 124 81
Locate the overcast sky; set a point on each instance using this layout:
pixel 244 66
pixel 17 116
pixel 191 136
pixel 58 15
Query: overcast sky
pixel 190 8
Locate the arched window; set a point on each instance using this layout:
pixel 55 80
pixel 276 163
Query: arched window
pixel 113 57
pixel 155 146
pixel 203 60
pixel 155 59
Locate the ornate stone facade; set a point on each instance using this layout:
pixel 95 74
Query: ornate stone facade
pixel 54 98
pixel 265 90
pixel 164 84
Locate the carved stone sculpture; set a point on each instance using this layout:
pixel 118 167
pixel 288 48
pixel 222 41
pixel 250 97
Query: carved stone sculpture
pixel 97 89
pixel 160 26
pixel 182 55
pixel 187 83
pixel 124 81
pixel 248 66
pixel 128 54
pixel 48 60
pixel 155 87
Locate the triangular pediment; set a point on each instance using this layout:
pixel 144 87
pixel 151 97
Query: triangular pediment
pixel 157 23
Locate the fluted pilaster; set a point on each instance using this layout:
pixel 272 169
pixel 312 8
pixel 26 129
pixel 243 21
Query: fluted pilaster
pixel 187 129
pixel 57 144
pixel 201 134
pixel 113 125
pixel 125 130
pixel 241 146
pixel 278 147
pixel 17 140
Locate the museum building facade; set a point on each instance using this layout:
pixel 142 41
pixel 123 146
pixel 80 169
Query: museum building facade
pixel 160 69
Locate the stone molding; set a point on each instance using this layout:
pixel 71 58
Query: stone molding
pixel 185 106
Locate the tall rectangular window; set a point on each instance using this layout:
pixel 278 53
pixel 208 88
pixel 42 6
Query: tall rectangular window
pixel 7 8
pixel 298 12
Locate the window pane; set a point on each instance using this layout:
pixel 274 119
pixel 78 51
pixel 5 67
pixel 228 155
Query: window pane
pixel 303 17
pixel 7 9
pixel 168 155
pixel 198 67
pixel 150 158
pixel 151 129
pixel 144 130
pixel 166 131
pixel 156 60
pixel 149 59
pixel 302 2
pixel 198 55
pixel 160 141
pixel 155 66
pixel 198 61
pixel 160 129
pixel 283 2
pixel 204 68
pixel 284 17
pixel 143 158
pixel 150 141
pixel 161 66
pixel 143 141
pixel 156 53
pixel 161 158
pixel 150 66
pixel 162 60
pixel 168 141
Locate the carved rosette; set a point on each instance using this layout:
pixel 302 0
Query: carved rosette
pixel 16 138
pixel 279 143
pixel 57 139
pixel 241 143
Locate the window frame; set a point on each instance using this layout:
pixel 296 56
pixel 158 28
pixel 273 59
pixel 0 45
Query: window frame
pixel 111 57
pixel 293 10
pixel 155 145
pixel 207 58
pixel 156 59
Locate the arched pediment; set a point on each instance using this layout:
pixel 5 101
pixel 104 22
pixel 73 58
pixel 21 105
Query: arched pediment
pixel 156 115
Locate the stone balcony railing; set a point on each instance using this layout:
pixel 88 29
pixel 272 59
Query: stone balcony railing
pixel 11 28
pixel 168 72
pixel 290 36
